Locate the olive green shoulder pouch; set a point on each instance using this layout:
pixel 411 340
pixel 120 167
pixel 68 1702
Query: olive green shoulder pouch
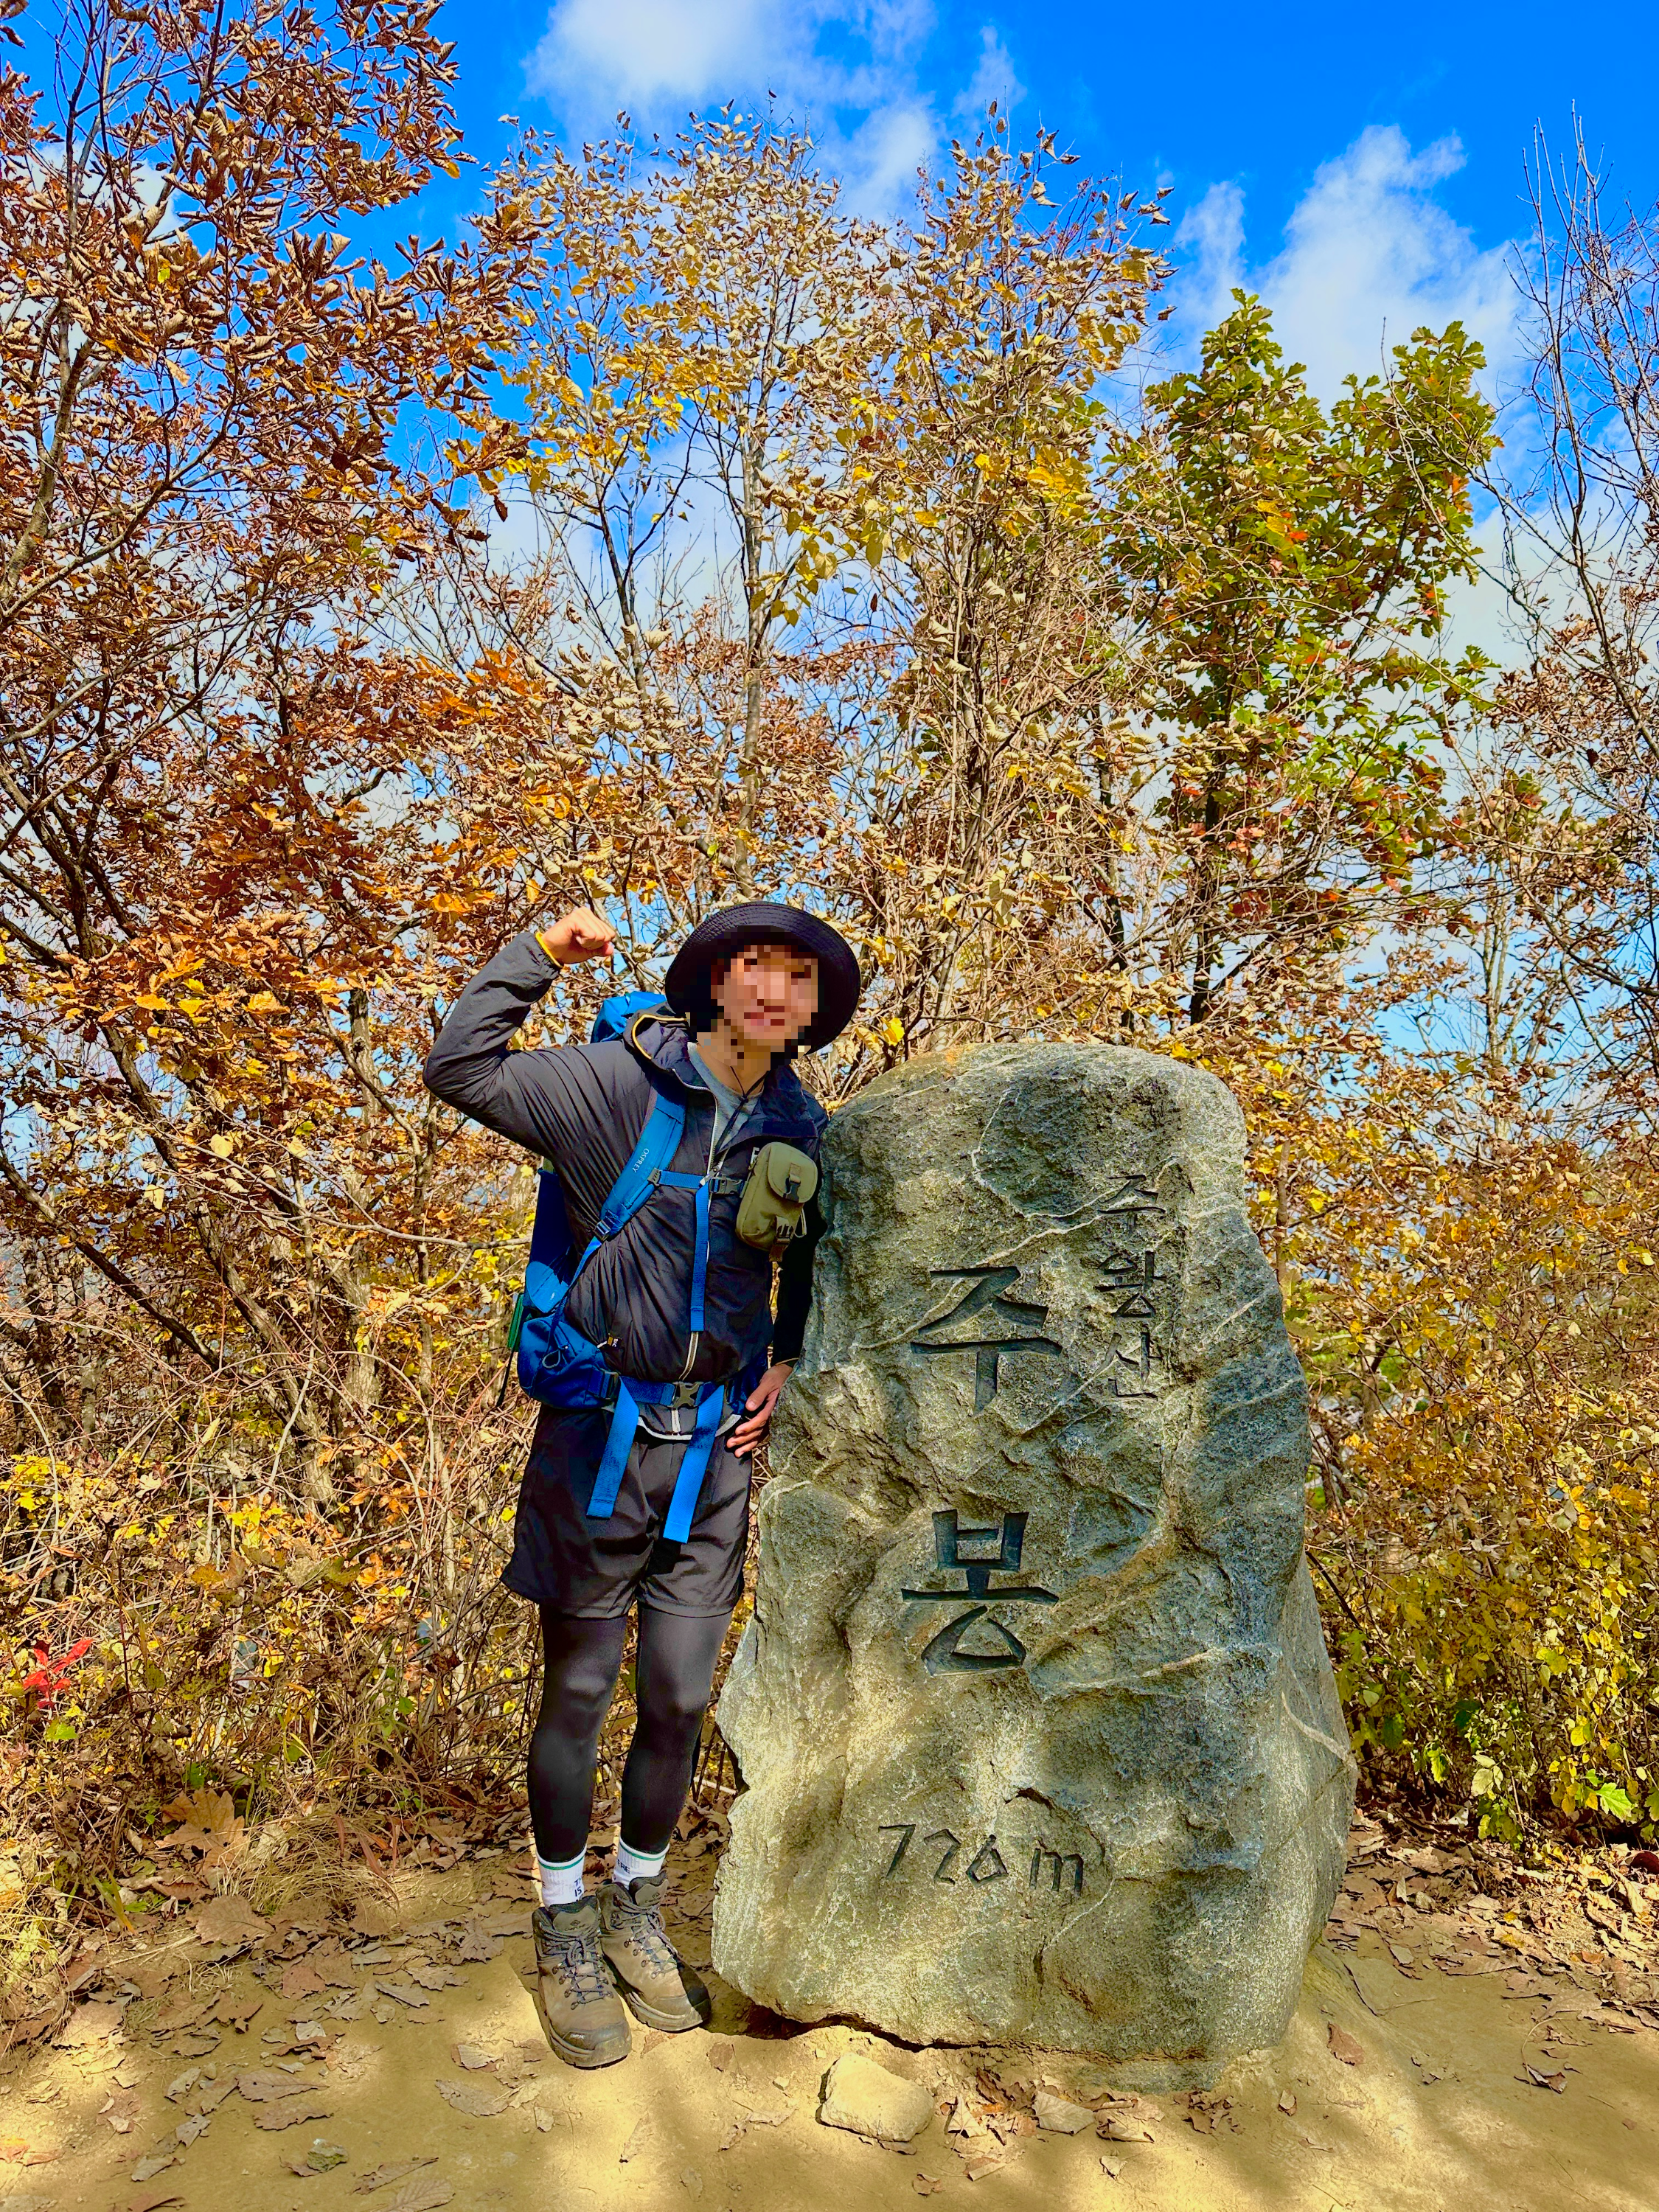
pixel 773 1208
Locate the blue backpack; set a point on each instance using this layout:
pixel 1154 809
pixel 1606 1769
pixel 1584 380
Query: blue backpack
pixel 556 1364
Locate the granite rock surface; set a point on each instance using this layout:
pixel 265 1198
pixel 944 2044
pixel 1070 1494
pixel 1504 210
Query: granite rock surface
pixel 1037 1728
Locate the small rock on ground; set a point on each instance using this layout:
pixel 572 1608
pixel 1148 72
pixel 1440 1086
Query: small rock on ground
pixel 867 2100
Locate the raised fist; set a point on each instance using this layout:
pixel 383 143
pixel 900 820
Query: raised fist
pixel 576 937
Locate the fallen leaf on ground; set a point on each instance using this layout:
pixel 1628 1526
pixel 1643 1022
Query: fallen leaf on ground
pixel 150 2200
pixel 437 1977
pixel 925 2185
pixel 15 2152
pixel 423 2195
pixel 395 2169
pixel 120 2110
pixel 1287 2101
pixel 90 2023
pixel 472 2097
pixel 1344 2046
pixel 287 2111
pixel 476 1946
pixel 1111 2167
pixel 638 2140
pixel 1556 2081
pixel 262 2086
pixel 229 1920
pixel 472 2056
pixel 302 1979
pixel 1119 2127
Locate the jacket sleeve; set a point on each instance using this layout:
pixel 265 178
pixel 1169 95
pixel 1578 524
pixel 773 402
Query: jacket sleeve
pixel 795 1287
pixel 539 1099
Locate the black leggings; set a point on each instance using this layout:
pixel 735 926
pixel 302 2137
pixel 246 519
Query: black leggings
pixel 673 1674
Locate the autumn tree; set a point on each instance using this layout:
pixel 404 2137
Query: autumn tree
pixel 211 840
pixel 1281 571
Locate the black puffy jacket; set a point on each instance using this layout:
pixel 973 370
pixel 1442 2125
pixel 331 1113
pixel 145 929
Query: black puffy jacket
pixel 582 1107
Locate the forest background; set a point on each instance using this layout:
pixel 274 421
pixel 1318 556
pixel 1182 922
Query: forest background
pixel 876 564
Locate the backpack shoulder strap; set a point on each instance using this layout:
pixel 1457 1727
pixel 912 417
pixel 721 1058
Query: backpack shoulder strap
pixel 659 1141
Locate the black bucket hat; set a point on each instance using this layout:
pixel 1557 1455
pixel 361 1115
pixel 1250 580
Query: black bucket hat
pixel 686 986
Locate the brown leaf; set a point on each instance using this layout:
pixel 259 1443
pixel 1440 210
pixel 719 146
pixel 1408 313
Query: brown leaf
pixel 637 2141
pixel 472 2056
pixel 285 2112
pixel 423 2195
pixel 1122 2127
pixel 302 1979
pixel 473 2098
pixel 1287 2101
pixel 396 2169
pixel 925 2185
pixel 1556 2081
pixel 151 2200
pixel 476 1945
pixel 120 2109
pixel 90 2023
pixel 15 2151
pixel 262 2086
pixel 229 1920
pixel 437 1977
pixel 1343 2046
pixel 985 2162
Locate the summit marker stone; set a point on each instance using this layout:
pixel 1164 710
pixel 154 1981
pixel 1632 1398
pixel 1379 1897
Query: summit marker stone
pixel 1039 1735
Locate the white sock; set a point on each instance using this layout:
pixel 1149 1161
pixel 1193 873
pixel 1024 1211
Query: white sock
pixel 562 1881
pixel 634 1866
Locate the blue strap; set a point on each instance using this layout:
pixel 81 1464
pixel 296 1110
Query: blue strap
pixel 700 1263
pixel 660 1140
pixel 549 1242
pixel 683 1507
pixel 608 1482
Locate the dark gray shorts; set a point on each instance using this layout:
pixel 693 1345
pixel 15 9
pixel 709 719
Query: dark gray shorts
pixel 597 1569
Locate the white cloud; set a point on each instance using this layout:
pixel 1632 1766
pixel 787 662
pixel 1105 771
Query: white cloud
pixel 993 79
pixel 1368 257
pixel 849 69
pixel 637 51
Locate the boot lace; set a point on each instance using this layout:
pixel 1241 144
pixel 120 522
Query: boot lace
pixel 579 1965
pixel 641 1925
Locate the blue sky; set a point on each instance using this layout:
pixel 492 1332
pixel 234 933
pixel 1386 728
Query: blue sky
pixel 1365 167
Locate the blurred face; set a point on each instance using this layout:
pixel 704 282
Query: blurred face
pixel 769 994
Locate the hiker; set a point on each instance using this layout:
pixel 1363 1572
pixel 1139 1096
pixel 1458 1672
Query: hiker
pixel 680 1155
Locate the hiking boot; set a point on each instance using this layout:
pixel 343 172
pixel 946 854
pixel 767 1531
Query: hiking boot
pixel 658 1988
pixel 585 2022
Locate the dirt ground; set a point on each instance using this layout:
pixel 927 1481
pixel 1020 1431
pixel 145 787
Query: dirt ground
pixel 201 2070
